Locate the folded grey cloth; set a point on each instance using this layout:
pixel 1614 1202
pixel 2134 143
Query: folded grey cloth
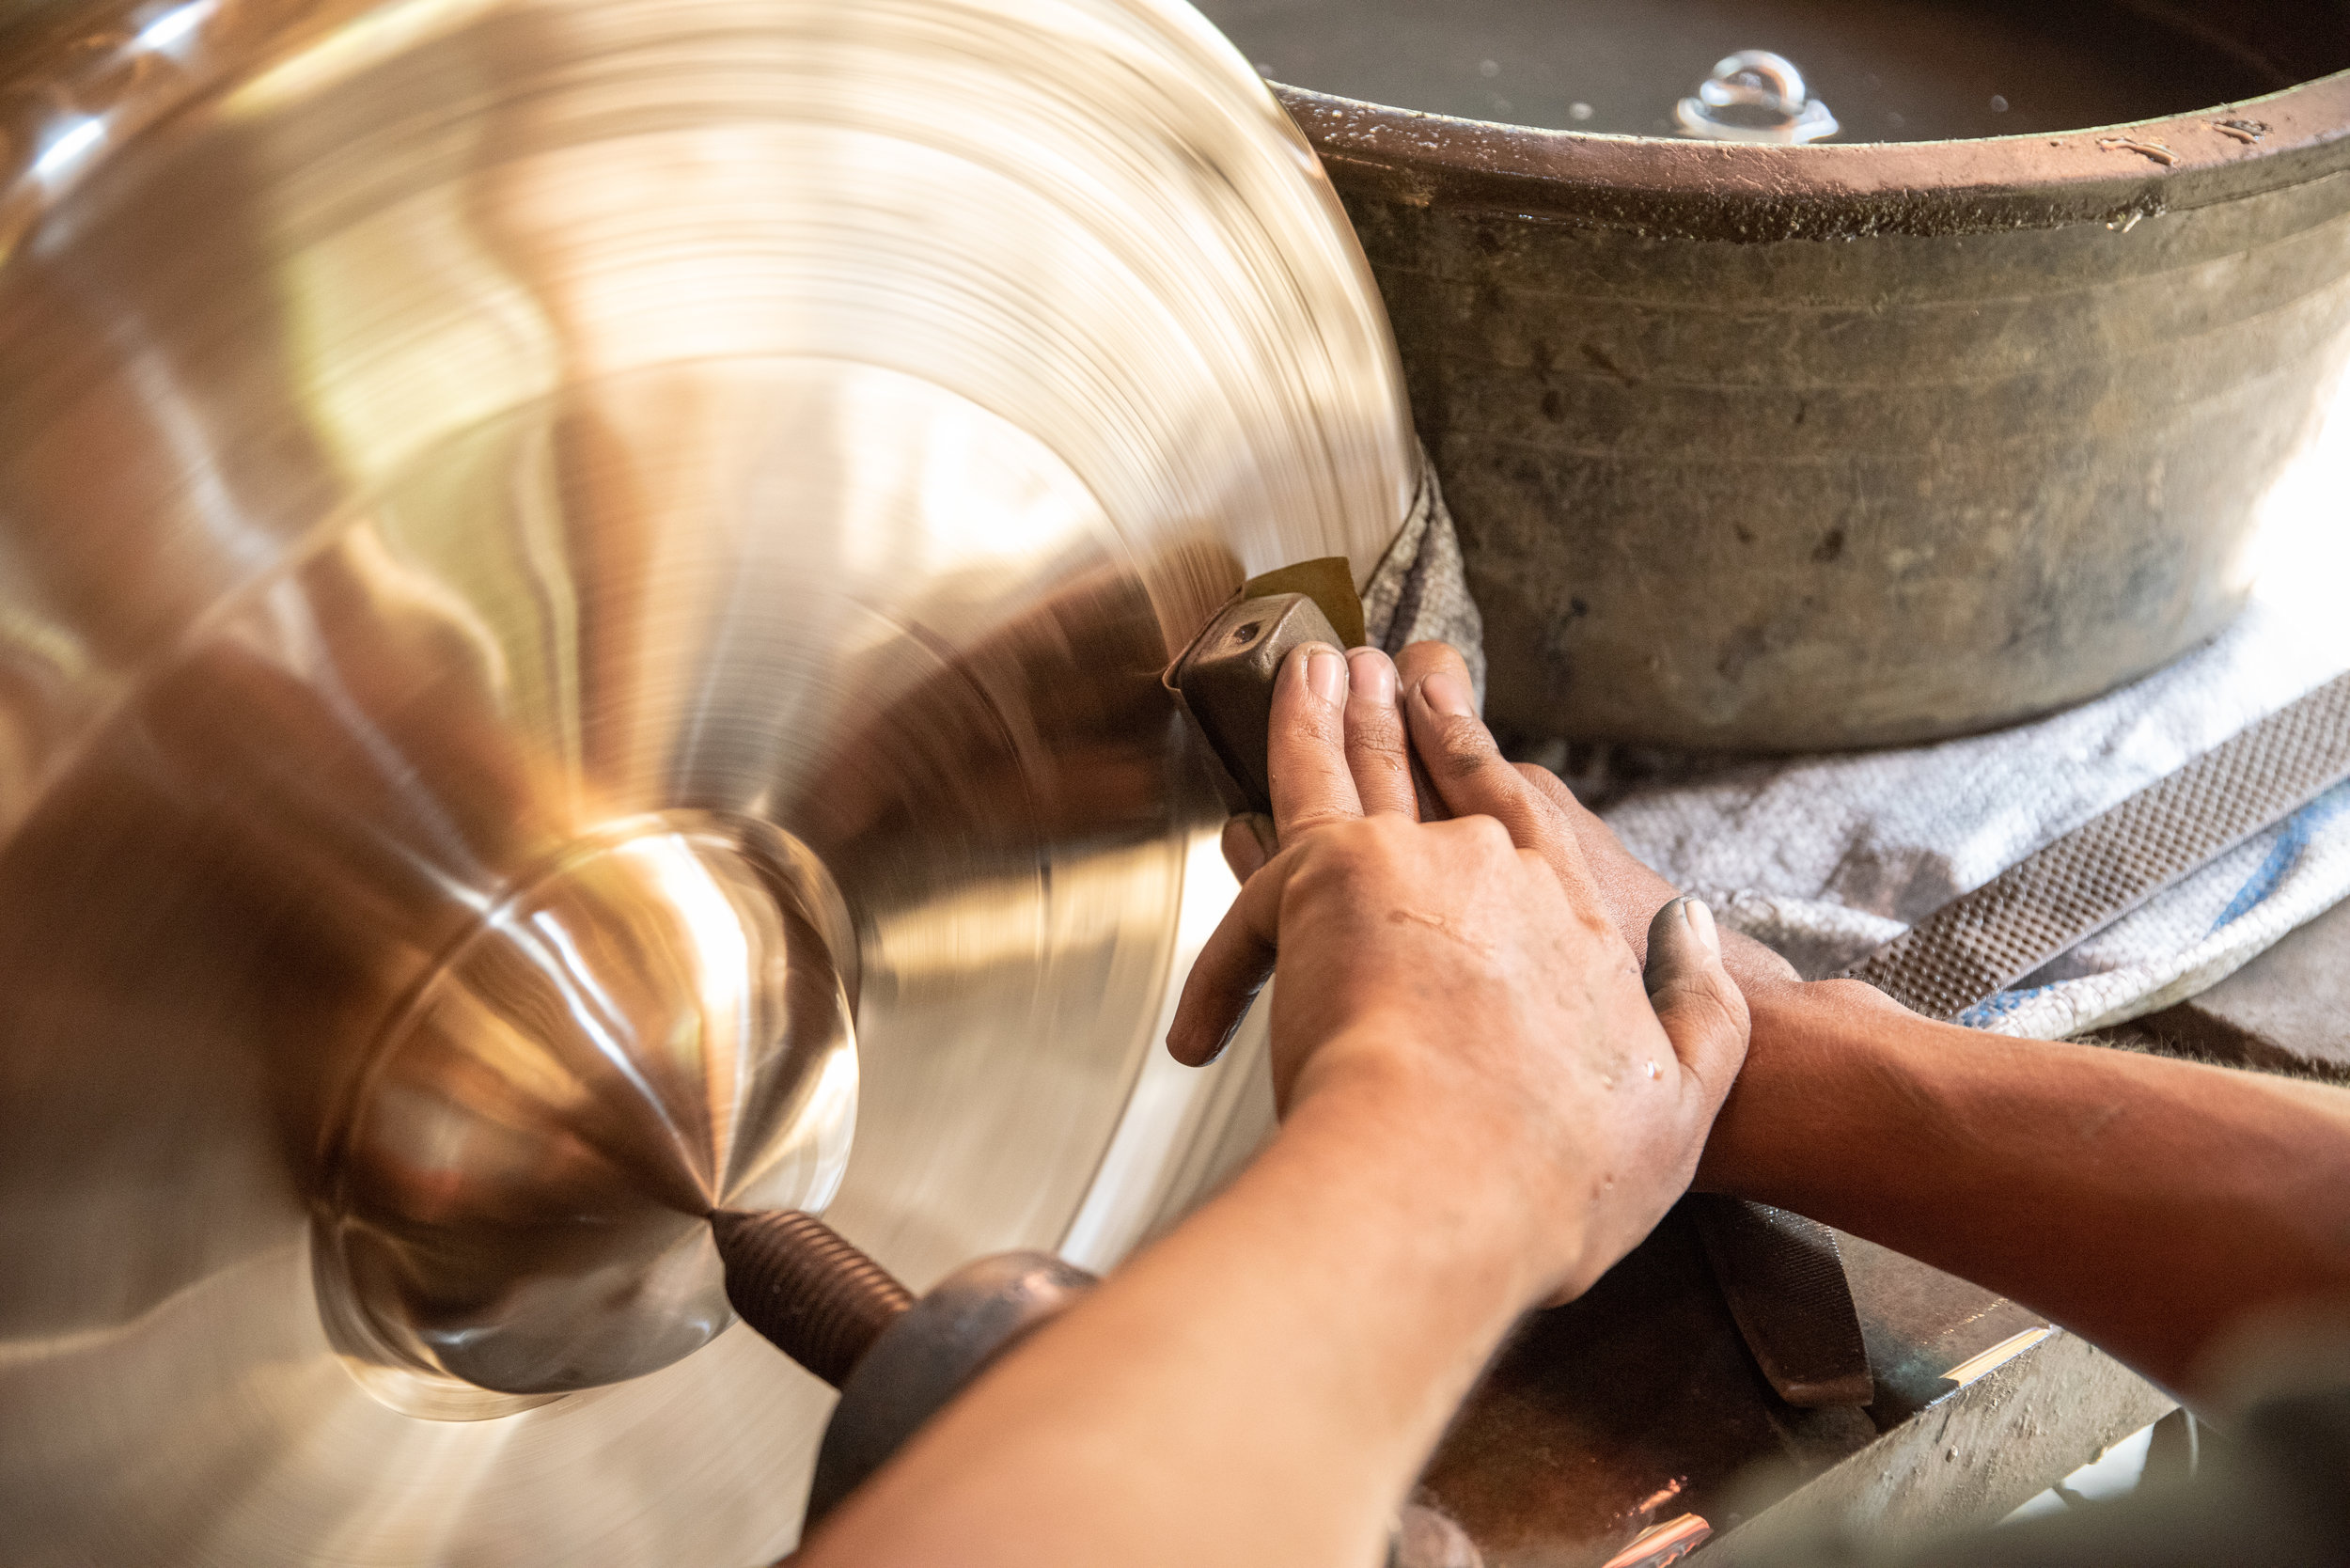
pixel 1420 592
pixel 1828 858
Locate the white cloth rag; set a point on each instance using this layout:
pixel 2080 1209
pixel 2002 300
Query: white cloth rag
pixel 1828 858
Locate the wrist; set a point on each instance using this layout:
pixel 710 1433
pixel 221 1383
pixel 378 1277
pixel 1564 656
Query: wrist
pixel 1815 1047
pixel 1460 1172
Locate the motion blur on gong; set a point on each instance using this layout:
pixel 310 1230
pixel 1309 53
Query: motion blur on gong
pixel 583 588
pixel 628 629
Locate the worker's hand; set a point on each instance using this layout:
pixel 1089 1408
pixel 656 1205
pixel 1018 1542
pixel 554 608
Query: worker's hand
pixel 1464 773
pixel 1467 970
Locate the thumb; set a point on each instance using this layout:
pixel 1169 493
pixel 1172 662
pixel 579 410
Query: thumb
pixel 1249 842
pixel 1232 965
pixel 1701 1007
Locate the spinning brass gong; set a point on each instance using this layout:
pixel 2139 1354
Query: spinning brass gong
pixel 582 585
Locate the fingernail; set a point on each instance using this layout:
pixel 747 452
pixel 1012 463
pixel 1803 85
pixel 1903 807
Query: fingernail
pixel 1325 673
pixel 1701 921
pixel 1449 694
pixel 1660 948
pixel 1371 675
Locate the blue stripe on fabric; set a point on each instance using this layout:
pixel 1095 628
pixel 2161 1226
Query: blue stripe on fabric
pixel 1992 1009
pixel 2284 854
pixel 2277 864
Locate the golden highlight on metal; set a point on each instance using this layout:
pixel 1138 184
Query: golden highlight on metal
pixel 581 590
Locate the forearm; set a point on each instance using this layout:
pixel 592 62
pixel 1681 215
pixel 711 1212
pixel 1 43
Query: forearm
pixel 1259 1386
pixel 2143 1201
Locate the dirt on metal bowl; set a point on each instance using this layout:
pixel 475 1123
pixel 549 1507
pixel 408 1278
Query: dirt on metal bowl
pixel 1864 442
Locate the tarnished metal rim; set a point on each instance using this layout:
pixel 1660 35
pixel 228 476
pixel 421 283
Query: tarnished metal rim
pixel 1738 192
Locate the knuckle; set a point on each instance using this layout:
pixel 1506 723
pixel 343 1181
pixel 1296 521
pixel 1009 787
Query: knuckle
pixel 1382 741
pixel 1326 725
pixel 1694 1007
pixel 1345 857
pixel 1390 841
pixel 1487 836
pixel 1465 748
pixel 1723 993
pixel 1320 820
pixel 1548 789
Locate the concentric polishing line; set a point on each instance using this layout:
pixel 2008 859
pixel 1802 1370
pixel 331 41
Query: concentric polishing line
pixel 1039 343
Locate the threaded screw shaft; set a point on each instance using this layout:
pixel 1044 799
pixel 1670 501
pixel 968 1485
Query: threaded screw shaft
pixel 806 1288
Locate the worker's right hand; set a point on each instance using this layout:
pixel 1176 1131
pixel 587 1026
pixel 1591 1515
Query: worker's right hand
pixel 1464 974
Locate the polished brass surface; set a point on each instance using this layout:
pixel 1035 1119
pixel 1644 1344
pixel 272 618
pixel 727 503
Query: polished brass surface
pixel 582 590
pixel 652 1030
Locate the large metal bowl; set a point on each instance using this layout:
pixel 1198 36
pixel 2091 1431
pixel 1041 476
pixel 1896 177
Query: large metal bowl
pixel 1783 448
